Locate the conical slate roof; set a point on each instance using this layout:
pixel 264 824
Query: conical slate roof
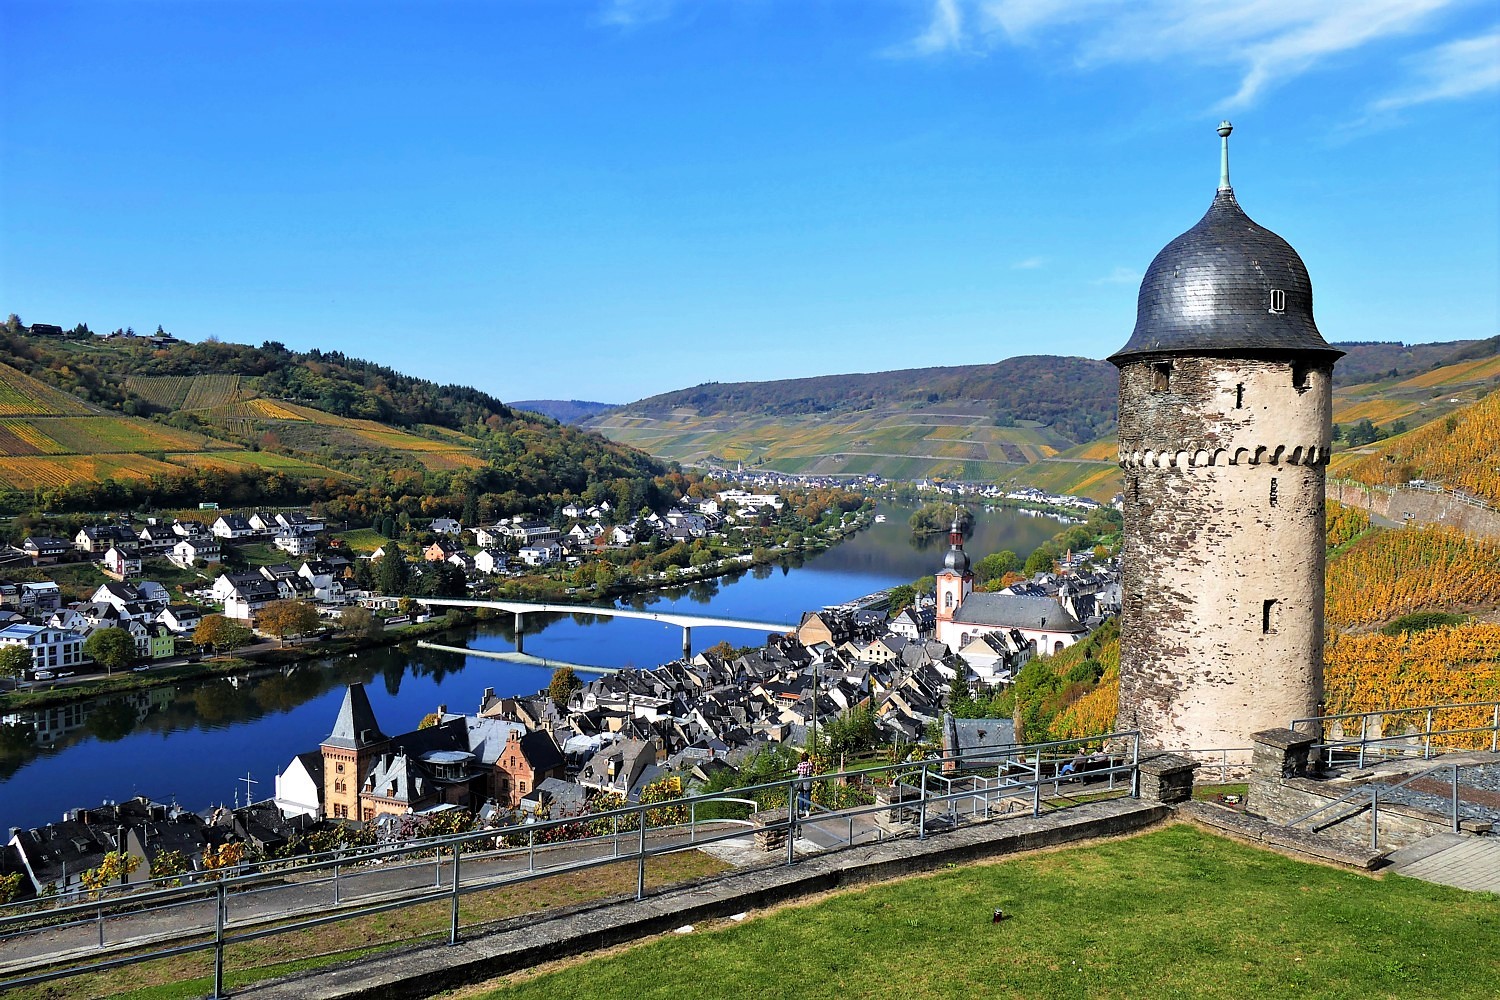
pixel 355 727
pixel 1211 289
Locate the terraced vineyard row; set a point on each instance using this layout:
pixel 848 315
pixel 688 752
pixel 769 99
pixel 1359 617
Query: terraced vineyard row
pixel 1461 451
pixel 22 396
pixel 24 473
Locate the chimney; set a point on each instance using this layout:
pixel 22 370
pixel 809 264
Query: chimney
pixel 442 710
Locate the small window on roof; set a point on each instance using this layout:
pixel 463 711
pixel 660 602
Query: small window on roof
pixel 1278 300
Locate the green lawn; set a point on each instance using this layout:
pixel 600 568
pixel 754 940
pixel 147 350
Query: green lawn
pixel 1173 913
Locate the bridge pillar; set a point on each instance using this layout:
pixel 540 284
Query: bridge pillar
pixel 520 634
pixel 687 641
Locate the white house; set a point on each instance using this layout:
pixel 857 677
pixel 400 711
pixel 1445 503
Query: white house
pixel 121 563
pixel 296 543
pixel 298 521
pixel 51 648
pixel 327 587
pixel 446 526
pixel 232 526
pixel 299 789
pixel 192 552
pixel 540 553
pixel 180 618
pixel 489 561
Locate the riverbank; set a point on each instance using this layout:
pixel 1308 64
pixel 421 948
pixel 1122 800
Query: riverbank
pixel 287 654
pixel 274 658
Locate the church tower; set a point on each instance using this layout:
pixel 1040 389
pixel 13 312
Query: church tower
pixel 954 583
pixel 1225 421
pixel 349 752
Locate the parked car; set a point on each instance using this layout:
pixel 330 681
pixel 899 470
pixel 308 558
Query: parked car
pixel 43 675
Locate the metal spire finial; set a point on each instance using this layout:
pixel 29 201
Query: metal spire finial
pixel 1224 129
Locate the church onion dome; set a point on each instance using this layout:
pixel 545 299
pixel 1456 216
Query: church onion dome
pixel 1226 286
pixel 956 560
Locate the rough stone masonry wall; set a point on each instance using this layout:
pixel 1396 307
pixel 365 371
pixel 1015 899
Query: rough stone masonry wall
pixel 1224 498
pixel 1424 506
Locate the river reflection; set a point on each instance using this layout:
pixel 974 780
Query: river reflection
pixel 195 743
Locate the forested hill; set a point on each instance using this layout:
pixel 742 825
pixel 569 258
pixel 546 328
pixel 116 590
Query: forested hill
pixel 1073 396
pixel 93 423
pixel 98 371
pixel 568 411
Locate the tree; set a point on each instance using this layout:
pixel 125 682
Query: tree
pixel 221 633
pixel 15 660
pixel 359 621
pixel 392 577
pixel 284 618
pixel 564 683
pixel 996 565
pixel 169 865
pixel 111 648
pixel 113 867
pixel 902 597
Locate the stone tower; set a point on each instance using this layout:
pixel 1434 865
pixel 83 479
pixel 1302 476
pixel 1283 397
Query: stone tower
pixel 955 581
pixel 348 754
pixel 1225 421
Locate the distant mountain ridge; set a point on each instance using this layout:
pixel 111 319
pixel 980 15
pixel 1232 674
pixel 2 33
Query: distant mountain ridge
pixel 1044 420
pixel 564 411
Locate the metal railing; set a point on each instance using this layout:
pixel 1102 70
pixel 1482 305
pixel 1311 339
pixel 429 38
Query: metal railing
pixel 1343 748
pixel 47 940
pixel 1368 797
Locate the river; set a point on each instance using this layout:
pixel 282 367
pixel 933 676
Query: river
pixel 196 743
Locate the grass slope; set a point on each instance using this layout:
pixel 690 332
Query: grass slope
pixel 1176 912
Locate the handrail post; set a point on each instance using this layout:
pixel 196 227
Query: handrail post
pixel 531 850
pixel 335 883
pixel 922 809
pixel 1374 818
pixel 640 872
pixel 1036 799
pixel 1495 731
pixel 220 904
pixel 1427 738
pixel 1135 766
pixel 453 918
pixel 693 822
pixel 100 919
pixel 1455 797
pixel 1364 725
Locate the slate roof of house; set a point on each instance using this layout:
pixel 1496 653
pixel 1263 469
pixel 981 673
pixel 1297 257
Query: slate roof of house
pixel 355 728
pixel 1010 611
pixel 540 751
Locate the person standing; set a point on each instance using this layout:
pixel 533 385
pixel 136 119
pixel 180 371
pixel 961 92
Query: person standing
pixel 804 784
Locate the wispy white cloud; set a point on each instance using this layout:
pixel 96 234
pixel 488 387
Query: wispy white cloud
pixel 1456 70
pixel 945 32
pixel 1270 41
pixel 1029 264
pixel 1119 276
pixel 630 13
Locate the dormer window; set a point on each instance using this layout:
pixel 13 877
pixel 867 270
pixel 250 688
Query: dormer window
pixel 1278 301
pixel 1161 376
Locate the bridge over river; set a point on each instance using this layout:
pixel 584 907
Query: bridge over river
pixel 685 622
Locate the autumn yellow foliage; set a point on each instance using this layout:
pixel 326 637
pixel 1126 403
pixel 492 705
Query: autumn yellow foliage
pixel 1345 523
pixel 1374 671
pixel 1460 451
pixel 1388 573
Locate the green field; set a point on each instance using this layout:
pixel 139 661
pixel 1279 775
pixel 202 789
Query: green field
pixel 1173 913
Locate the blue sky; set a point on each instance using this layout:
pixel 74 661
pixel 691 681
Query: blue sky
pixel 608 199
